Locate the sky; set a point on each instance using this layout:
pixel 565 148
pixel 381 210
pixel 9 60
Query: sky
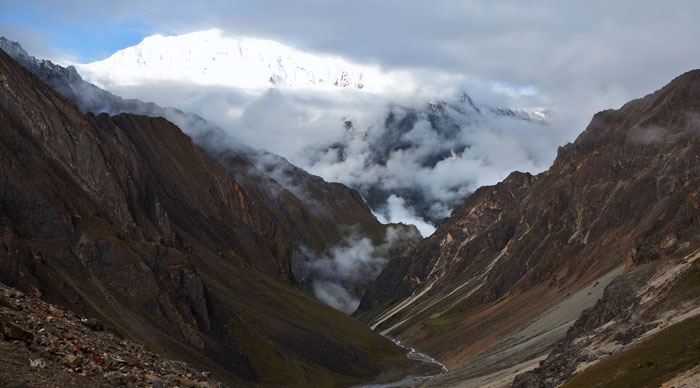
pixel 598 52
pixel 508 39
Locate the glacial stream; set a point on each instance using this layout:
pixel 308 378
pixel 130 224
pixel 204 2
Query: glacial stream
pixel 412 380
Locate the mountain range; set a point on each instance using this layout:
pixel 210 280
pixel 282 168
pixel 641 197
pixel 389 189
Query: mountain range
pixel 308 202
pixel 518 267
pixel 125 219
pixel 584 275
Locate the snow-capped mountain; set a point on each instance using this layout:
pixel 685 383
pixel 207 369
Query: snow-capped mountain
pixel 212 58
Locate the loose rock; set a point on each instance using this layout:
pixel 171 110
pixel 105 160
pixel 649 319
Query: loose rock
pixel 73 352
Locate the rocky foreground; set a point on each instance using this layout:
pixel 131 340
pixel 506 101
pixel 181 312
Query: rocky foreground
pixel 44 345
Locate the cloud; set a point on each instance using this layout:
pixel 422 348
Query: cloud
pixel 429 148
pixel 397 212
pixel 338 277
pixel 574 59
pixel 551 45
pixel 335 296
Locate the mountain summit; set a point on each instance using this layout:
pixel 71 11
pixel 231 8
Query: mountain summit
pixel 212 58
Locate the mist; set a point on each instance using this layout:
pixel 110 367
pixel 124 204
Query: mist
pixel 338 277
pixel 413 170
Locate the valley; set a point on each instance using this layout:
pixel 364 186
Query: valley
pixel 143 245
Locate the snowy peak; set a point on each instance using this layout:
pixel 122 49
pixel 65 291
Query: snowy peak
pixel 212 58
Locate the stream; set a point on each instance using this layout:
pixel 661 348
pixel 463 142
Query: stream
pixel 412 380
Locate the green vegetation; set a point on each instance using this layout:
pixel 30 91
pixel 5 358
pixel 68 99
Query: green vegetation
pixel 668 353
pixel 263 334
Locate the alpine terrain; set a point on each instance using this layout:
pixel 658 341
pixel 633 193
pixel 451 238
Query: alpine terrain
pixel 588 270
pixel 366 133
pixel 142 245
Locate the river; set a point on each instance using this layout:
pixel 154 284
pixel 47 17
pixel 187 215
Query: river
pixel 412 380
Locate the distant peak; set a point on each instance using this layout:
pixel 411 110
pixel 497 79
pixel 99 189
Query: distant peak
pixel 211 57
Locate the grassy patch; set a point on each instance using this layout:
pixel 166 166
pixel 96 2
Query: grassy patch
pixel 279 369
pixel 668 353
pixel 443 320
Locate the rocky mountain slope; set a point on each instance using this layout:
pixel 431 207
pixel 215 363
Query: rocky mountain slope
pixel 318 215
pixel 44 345
pixel 496 280
pixel 125 219
pixel 643 332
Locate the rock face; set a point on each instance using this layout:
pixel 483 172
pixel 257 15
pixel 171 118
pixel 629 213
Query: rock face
pixel 627 191
pixel 123 218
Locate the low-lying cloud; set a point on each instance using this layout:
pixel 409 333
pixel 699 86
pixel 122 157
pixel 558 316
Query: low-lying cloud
pixel 336 273
pixel 339 277
pixel 413 156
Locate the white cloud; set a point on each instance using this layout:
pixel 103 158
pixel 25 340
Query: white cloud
pixel 380 143
pixel 397 212
pixel 337 275
pixel 335 296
